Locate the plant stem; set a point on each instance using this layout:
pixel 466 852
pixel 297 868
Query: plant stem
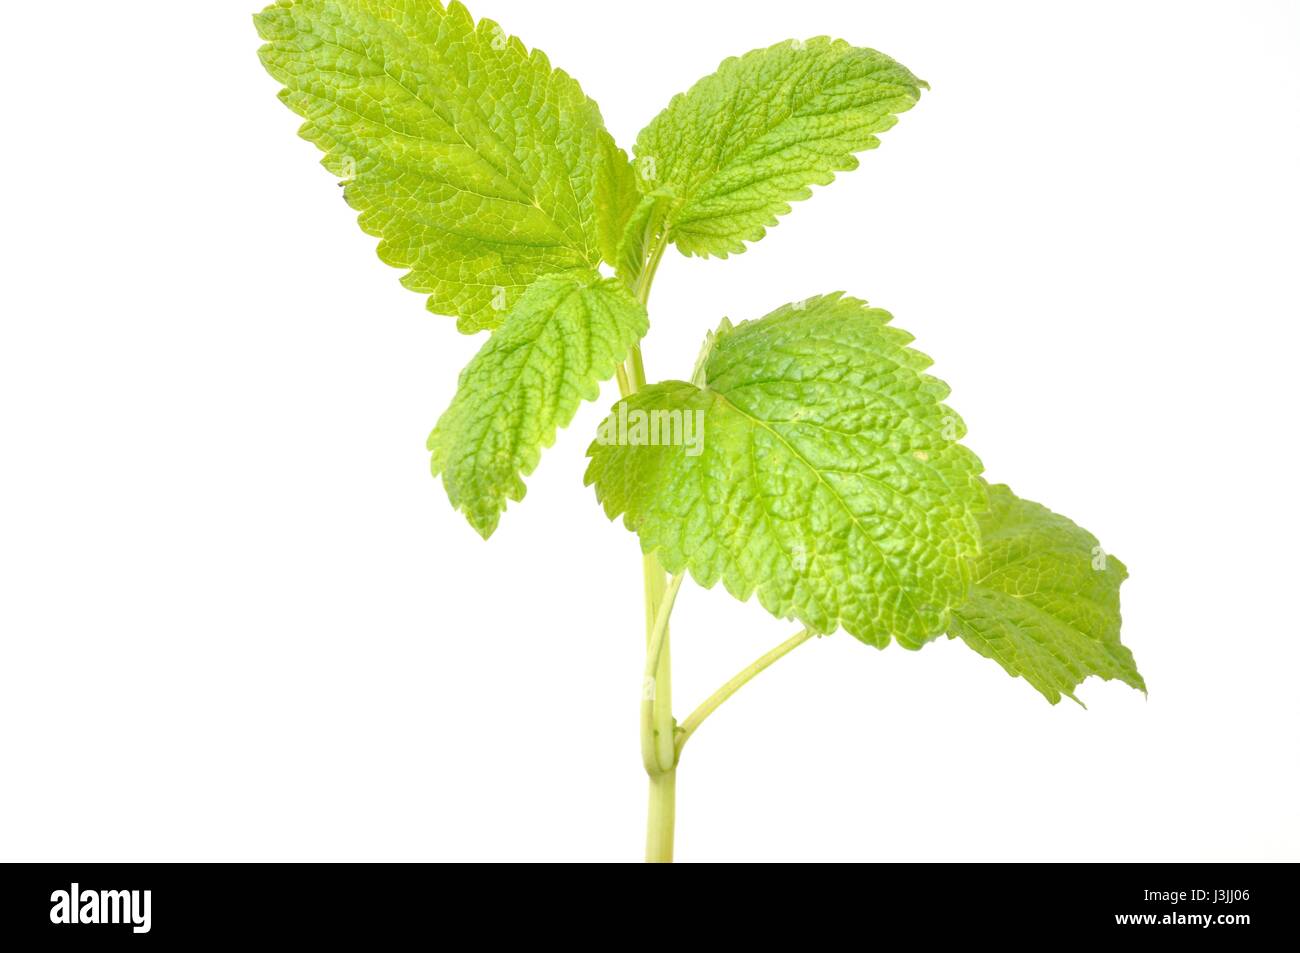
pixel 636 367
pixel 658 729
pixel 711 703
pixel 662 818
pixel 661 739
pixel 647 276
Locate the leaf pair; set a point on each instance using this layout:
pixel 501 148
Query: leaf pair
pixel 829 481
pixel 828 477
pixel 483 170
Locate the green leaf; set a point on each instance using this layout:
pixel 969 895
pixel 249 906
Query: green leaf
pixel 565 335
pixel 478 166
pixel 812 462
pixel 1045 601
pixel 746 141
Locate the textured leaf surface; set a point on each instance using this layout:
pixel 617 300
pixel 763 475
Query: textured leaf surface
pixel 829 480
pixel 566 335
pixel 478 166
pixel 1045 600
pixel 746 141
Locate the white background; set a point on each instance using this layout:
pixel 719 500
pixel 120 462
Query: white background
pixel 240 620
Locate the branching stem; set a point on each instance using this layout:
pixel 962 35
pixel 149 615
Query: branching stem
pixel 658 749
pixel 710 704
pixel 661 738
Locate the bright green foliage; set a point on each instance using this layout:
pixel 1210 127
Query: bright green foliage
pixel 642 229
pixel 749 139
pixel 478 166
pixel 1045 601
pixel 810 459
pixel 829 479
pixel 565 335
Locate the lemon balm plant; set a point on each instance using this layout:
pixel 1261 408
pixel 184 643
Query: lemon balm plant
pixel 807 458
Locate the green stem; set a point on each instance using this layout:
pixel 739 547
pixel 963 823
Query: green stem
pixel 660 823
pixel 641 288
pixel 644 280
pixel 658 728
pixel 711 703
pixel 661 739
pixel 658 748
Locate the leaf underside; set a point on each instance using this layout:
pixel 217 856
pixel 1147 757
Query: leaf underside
pixel 749 139
pixel 1044 603
pixel 565 335
pixel 828 479
pixel 478 166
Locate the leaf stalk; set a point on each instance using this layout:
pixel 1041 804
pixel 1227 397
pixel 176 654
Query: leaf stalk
pixel 733 685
